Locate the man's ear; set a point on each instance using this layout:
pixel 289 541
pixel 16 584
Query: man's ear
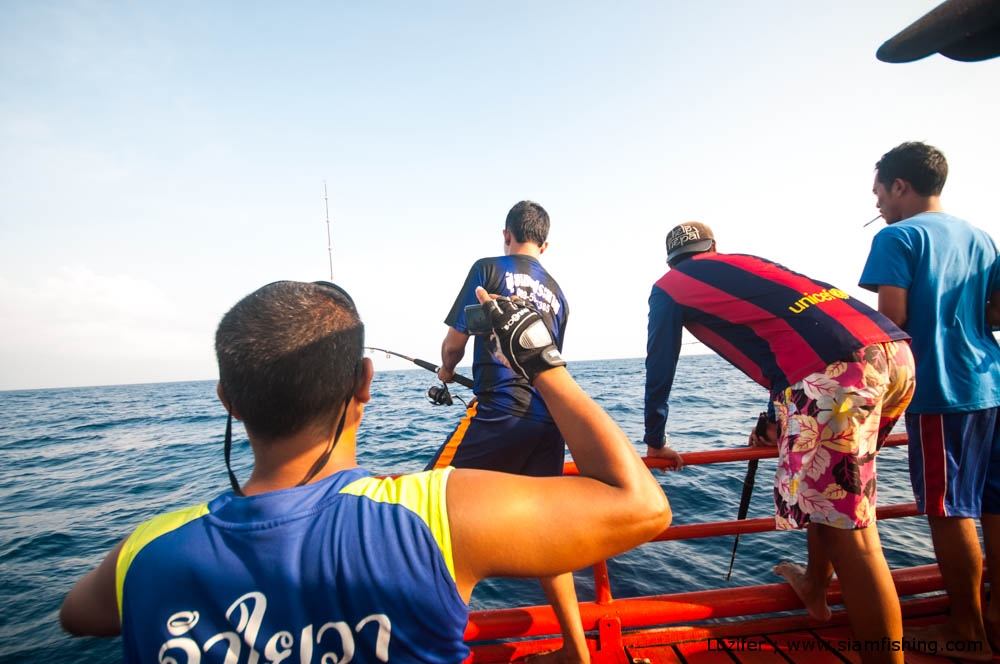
pixel 545 245
pixel 899 187
pixel 507 237
pixel 362 389
pixel 225 402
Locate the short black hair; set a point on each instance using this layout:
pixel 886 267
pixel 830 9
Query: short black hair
pixel 528 222
pixel 922 165
pixel 289 355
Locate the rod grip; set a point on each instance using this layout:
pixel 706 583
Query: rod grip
pixel 460 379
pixel 424 364
pixel 463 381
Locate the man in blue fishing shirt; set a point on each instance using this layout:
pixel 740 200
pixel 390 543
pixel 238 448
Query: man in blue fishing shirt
pixel 314 560
pixel 508 427
pixel 938 277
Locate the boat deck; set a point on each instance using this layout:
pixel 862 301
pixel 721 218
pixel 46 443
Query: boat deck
pixel 763 623
pixel 784 639
pixel 818 644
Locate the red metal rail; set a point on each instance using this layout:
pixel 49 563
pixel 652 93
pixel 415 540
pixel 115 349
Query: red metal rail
pixel 722 456
pixel 913 608
pixel 609 616
pixel 677 608
pixel 760 525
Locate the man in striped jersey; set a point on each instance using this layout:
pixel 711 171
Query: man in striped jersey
pixel 839 375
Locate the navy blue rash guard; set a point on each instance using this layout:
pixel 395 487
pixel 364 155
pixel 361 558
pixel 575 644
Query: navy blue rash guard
pixel 495 384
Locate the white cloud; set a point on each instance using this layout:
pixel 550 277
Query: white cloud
pixel 81 327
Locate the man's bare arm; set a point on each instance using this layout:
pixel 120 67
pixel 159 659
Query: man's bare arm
pixel 91 606
pixel 892 302
pixel 452 352
pixel 507 525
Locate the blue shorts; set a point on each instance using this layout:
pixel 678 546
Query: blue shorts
pixel 491 439
pixel 955 462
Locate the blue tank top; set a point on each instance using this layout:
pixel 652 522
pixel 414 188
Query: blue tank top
pixel 349 568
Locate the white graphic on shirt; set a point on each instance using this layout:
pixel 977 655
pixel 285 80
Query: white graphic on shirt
pixel 527 287
pixel 251 608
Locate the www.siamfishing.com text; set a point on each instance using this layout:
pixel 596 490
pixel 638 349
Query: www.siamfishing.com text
pixel 763 644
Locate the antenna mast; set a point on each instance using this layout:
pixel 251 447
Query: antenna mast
pixel 329 246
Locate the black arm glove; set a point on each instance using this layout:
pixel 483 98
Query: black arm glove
pixel 522 337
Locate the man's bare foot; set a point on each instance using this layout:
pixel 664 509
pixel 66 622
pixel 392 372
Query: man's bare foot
pixel 561 656
pixel 814 598
pixel 945 641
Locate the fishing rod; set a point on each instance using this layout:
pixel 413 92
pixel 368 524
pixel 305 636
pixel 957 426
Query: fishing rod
pixel 748 482
pixel 424 364
pixel 329 246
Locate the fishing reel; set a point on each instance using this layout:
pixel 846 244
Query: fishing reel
pixel 439 395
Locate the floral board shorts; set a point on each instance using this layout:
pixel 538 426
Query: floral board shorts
pixel 831 425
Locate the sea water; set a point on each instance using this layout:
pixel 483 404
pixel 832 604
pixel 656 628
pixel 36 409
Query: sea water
pixel 81 467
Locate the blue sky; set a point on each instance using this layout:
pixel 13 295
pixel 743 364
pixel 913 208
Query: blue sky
pixel 160 160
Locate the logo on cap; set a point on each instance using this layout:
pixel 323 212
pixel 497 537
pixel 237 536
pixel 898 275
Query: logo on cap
pixel 682 235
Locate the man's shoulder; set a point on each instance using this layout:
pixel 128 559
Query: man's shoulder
pixel 399 489
pixel 486 263
pixel 929 223
pixel 532 266
pixel 707 265
pixel 153 529
pixel 906 233
pixel 935 227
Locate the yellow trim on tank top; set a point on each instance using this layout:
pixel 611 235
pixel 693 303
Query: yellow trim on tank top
pixel 424 494
pixel 146 533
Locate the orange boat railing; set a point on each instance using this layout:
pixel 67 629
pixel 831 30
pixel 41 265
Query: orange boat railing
pixel 609 616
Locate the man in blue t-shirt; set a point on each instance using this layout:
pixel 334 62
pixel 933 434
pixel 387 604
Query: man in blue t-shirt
pixel 938 277
pixel 508 427
pixel 312 558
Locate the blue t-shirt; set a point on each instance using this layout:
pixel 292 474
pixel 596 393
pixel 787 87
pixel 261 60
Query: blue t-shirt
pixel 351 567
pixel 949 269
pixel 523 276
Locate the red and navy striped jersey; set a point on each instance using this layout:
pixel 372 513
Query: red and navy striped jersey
pixel 775 325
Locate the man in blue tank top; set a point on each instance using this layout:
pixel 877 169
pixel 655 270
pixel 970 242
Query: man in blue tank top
pixel 314 560
pixel 507 427
pixel 938 277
